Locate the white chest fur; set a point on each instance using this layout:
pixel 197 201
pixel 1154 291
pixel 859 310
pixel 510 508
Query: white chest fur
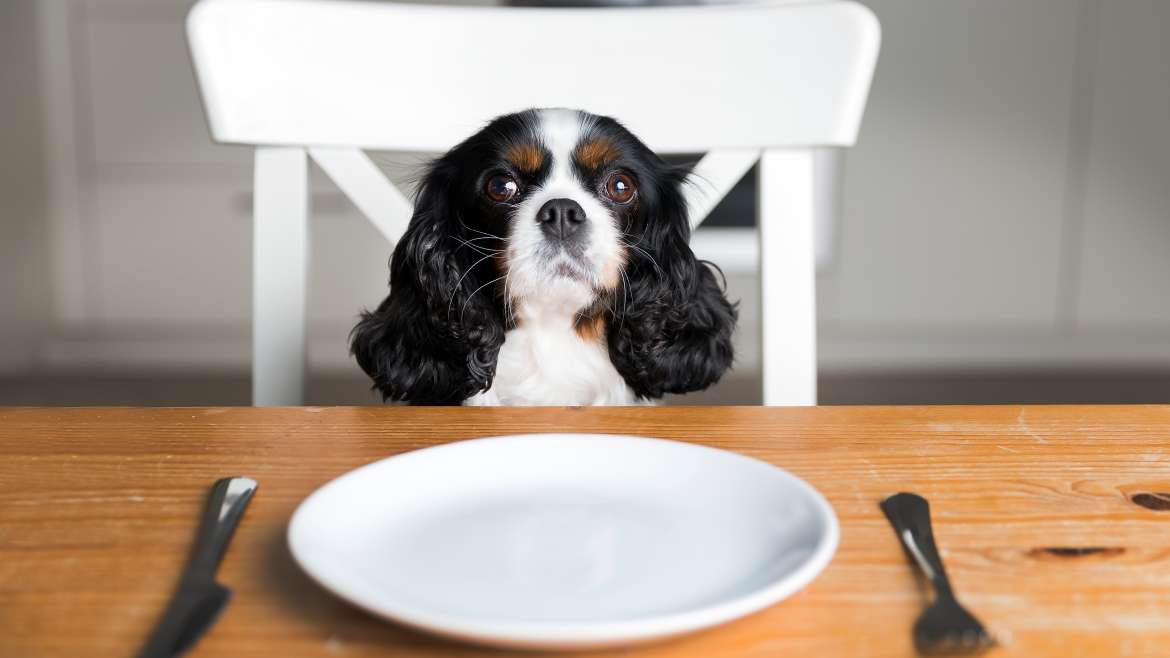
pixel 545 362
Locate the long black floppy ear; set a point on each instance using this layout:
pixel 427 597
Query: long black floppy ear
pixel 671 332
pixel 432 341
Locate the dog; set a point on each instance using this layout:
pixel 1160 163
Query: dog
pixel 547 263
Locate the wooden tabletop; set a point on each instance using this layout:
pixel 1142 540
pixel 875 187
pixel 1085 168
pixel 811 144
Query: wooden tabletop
pixel 1053 521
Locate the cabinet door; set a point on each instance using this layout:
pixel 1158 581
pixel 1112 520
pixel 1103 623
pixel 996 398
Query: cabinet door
pixel 953 195
pixel 1125 244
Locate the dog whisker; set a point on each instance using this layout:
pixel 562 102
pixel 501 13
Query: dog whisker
pixel 486 237
pixel 478 248
pixel 468 300
pixel 646 254
pixel 460 282
pixel 625 297
pixel 484 233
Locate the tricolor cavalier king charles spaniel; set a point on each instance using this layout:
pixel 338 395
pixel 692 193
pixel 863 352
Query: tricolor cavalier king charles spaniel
pixel 547 262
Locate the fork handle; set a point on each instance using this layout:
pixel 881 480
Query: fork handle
pixel 910 515
pixel 225 505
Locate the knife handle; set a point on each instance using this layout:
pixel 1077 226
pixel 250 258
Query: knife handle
pixel 910 515
pixel 198 599
pixel 225 506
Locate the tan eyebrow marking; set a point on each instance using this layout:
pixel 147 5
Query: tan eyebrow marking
pixel 597 153
pixel 528 158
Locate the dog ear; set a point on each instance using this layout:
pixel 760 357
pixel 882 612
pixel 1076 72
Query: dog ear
pixel 432 341
pixel 673 326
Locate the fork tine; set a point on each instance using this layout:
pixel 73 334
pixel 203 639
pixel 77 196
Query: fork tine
pixel 945 627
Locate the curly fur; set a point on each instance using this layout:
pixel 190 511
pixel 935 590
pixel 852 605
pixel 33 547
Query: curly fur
pixel 431 341
pixel 676 330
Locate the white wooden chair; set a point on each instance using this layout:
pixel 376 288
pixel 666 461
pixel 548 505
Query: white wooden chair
pixel 327 78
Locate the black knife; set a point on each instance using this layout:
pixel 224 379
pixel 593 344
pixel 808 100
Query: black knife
pixel 199 599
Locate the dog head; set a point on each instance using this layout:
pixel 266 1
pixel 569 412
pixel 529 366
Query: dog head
pixel 546 213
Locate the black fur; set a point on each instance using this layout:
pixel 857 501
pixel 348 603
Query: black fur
pixel 431 341
pixel 435 339
pixel 673 327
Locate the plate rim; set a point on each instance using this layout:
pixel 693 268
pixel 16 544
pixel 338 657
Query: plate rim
pixel 520 634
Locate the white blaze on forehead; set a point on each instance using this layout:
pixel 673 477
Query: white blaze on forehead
pixel 560 130
pixel 532 278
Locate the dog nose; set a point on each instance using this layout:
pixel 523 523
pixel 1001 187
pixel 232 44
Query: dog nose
pixel 560 218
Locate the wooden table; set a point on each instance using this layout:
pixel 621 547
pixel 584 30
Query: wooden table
pixel 1054 521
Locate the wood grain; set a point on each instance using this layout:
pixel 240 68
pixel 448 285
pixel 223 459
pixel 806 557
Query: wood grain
pixel 1036 510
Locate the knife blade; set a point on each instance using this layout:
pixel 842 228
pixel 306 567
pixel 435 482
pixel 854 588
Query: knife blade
pixel 199 600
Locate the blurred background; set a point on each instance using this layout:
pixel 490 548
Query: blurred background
pixel 1000 233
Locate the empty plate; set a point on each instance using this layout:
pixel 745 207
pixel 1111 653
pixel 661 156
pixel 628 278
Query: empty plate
pixel 564 540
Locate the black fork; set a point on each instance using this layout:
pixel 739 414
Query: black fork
pixel 945 627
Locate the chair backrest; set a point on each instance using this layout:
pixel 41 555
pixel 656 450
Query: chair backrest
pixel 338 73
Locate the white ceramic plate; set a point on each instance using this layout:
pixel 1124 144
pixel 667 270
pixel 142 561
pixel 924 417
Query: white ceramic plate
pixel 564 540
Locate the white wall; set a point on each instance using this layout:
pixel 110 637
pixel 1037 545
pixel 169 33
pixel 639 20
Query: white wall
pixel 1007 202
pixel 24 285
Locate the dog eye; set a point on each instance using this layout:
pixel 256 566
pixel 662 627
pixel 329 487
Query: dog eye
pixel 619 188
pixel 501 187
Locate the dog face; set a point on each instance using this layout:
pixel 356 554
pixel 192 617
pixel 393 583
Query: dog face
pixel 567 192
pixel 546 213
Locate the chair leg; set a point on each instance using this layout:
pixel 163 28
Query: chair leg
pixel 788 277
pixel 280 276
